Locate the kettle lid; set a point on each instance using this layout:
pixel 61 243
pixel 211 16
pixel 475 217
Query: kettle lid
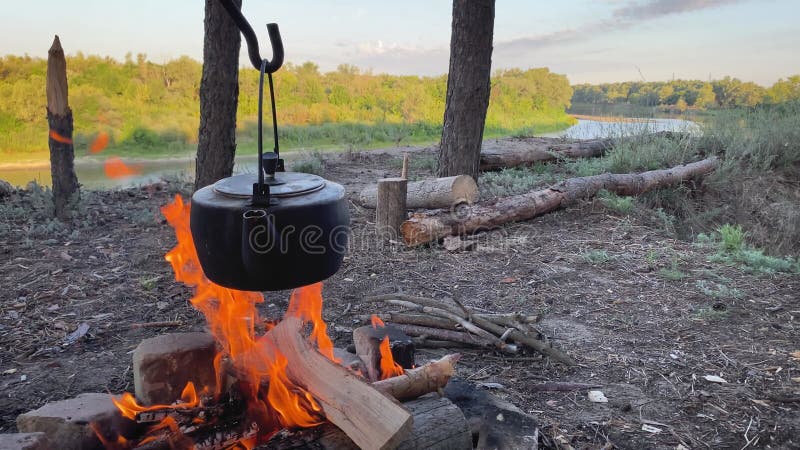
pixel 285 184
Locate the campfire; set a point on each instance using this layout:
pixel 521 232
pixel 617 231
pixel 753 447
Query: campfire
pixel 273 376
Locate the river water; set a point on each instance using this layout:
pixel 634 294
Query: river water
pixel 92 176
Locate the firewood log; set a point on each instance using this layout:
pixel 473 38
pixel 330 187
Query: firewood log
pixel 417 382
pixel 430 193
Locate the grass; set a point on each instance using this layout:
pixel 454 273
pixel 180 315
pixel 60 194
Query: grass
pixel 646 151
pixel 732 249
pixel 672 273
pixel 597 257
pixel 516 180
pixel 416 164
pixel 146 143
pixel 715 312
pixel 732 238
pixel 717 290
pixel 313 162
pixel 622 205
pixel 586 167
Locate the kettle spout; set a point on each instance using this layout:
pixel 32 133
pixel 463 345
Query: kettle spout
pixel 258 238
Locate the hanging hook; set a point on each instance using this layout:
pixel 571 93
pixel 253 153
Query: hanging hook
pixel 252 40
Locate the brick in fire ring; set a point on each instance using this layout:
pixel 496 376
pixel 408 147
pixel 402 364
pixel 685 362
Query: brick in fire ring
pixel 67 422
pixel 162 366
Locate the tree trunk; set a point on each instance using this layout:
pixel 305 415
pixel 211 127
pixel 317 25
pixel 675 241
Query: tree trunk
pixel 430 193
pixel 59 119
pixel 424 228
pixel 467 87
pixel 219 93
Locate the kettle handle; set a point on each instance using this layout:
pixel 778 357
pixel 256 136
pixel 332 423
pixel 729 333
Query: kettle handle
pixel 252 41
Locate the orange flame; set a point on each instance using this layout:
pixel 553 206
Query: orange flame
pixel 377 322
pixel 115 168
pixel 389 368
pixel 59 138
pixel 306 304
pixel 100 143
pixel 232 316
pixel 119 443
pixel 129 408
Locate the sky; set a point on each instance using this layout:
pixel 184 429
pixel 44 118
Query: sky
pixel 590 41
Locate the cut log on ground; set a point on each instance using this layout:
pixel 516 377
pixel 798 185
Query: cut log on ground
pixel 438 424
pixel 369 418
pixel 427 227
pixel 431 193
pixel 390 211
pixel 526 151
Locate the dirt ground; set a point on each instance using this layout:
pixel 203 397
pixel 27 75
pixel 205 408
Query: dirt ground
pixel 647 339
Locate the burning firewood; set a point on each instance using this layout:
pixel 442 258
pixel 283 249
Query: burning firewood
pixel 370 419
pixel 417 382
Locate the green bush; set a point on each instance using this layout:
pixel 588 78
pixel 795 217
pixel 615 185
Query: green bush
pixel 513 181
pixel 732 249
pixel 610 200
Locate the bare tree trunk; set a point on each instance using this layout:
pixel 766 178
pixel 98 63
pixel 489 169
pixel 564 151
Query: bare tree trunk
pixel 59 119
pixel 219 94
pixel 467 88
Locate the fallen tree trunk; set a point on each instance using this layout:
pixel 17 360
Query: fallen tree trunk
pixel 526 151
pixel 422 228
pixel 430 193
pixel 438 423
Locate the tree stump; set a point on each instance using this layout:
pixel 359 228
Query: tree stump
pixel 390 210
pixel 59 118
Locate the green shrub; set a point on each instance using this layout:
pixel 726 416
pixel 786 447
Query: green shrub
pixel 732 249
pixel 596 256
pixel 610 200
pixel 517 180
pixel 717 290
pixel 732 238
pixel 648 151
pixel 313 163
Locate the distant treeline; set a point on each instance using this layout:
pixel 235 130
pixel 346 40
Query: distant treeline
pixel 143 105
pixel 682 94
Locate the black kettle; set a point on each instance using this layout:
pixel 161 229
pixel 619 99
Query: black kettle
pixel 297 238
pixel 271 230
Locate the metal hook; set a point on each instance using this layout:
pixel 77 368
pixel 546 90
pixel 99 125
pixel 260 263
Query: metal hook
pixel 252 40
